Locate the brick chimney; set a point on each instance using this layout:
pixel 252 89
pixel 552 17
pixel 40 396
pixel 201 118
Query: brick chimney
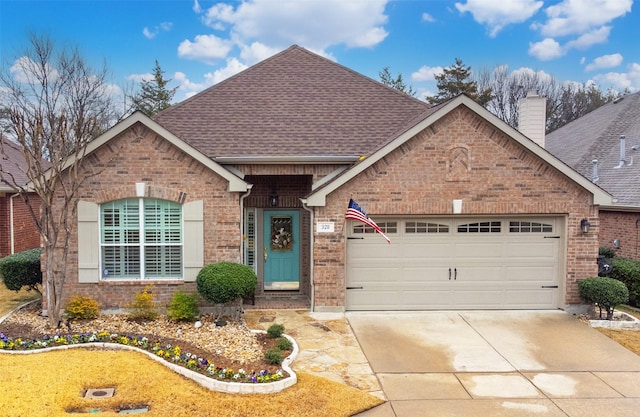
pixel 532 117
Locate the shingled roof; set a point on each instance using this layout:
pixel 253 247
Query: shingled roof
pixel 12 166
pixel 293 104
pixel 597 136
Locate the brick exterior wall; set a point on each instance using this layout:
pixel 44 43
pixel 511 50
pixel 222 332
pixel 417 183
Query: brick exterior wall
pixel 624 226
pixel 25 233
pixel 459 157
pixel 139 155
pixel 417 179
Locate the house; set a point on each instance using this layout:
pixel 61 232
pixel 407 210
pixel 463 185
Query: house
pixel 604 146
pixel 259 169
pixel 18 231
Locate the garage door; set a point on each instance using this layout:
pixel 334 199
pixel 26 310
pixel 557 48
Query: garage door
pixel 455 263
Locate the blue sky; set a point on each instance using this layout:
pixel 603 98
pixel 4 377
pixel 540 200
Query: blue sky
pixel 201 42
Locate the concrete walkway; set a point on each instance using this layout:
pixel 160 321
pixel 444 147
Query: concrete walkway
pixel 471 363
pixel 328 347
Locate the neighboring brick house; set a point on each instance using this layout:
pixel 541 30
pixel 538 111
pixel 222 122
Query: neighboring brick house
pixel 259 169
pixel 18 231
pixel 604 146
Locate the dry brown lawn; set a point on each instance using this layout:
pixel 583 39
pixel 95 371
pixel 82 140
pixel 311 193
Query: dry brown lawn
pixel 628 339
pixel 52 384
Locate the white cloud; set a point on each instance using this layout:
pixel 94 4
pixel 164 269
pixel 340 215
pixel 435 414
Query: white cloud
pixel 196 7
pixel 497 14
pixel 586 20
pixel 622 80
pixel 604 61
pixel 529 73
pixel 25 70
pixel 575 17
pixel 426 17
pixel 256 52
pixel 189 88
pixel 546 50
pixel 314 24
pixel 426 73
pixel 232 68
pixel 152 33
pixel 205 48
pixel 590 38
pixel 138 78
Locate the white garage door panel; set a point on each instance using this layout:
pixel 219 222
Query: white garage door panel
pixel 391 299
pixel 457 268
pixel 480 249
pixel 543 275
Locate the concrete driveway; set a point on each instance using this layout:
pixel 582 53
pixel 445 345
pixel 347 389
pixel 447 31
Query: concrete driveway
pixel 496 363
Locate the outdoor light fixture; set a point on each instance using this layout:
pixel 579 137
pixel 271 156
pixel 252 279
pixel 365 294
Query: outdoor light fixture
pixel 585 225
pixel 273 200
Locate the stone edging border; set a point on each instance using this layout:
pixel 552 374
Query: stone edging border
pixel 201 379
pixel 631 323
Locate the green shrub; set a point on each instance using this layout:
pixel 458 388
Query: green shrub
pixel 275 331
pixel 222 282
pixel 628 271
pixel 143 306
pixel 605 292
pixel 273 356
pixel 284 344
pixel 22 269
pixel 183 307
pixel 81 307
pixel 607 252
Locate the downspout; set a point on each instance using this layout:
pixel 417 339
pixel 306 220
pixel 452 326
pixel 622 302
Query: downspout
pixel 12 232
pixel 311 242
pixel 242 237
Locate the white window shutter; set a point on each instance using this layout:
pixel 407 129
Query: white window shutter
pixel 193 250
pixel 88 242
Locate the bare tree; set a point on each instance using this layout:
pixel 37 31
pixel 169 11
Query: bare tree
pixel 575 101
pixel 565 101
pixel 509 87
pixel 53 105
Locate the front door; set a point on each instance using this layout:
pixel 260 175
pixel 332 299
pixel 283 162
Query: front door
pixel 281 250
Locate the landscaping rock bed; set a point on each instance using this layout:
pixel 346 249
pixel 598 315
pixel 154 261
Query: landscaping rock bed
pixel 232 346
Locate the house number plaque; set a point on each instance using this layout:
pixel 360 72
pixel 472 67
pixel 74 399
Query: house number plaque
pixel 324 227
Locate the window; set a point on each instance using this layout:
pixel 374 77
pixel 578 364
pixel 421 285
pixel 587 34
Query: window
pixel 423 227
pixel 480 227
pixel 529 227
pixel 141 239
pixel 386 227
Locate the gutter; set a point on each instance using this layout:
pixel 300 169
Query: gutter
pixel 288 159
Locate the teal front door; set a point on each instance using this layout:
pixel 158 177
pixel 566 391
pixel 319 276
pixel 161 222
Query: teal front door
pixel 281 250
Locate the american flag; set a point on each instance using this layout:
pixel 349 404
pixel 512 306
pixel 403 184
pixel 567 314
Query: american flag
pixel 355 212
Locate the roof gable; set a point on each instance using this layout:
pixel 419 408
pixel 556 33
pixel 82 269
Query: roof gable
pixel 293 104
pixel 596 136
pixel 236 184
pixel 318 197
